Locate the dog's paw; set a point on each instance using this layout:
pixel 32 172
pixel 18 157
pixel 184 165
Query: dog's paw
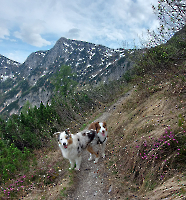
pixel 103 155
pixel 90 158
pixel 96 161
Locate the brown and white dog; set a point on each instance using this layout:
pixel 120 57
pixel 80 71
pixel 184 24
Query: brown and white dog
pixel 99 139
pixel 72 145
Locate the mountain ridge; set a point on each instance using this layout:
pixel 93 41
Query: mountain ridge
pixel 92 63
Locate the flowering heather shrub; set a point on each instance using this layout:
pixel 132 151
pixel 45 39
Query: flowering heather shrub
pixel 155 148
pixel 157 158
pixel 167 147
pixel 23 184
pixel 15 187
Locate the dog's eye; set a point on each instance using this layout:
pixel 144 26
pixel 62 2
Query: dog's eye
pixel 67 137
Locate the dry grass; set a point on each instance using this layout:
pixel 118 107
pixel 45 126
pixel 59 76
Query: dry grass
pixel 174 187
pixel 136 125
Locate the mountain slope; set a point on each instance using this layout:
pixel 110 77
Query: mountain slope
pixel 8 68
pixel 92 64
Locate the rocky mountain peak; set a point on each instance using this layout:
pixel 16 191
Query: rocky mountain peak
pixel 92 63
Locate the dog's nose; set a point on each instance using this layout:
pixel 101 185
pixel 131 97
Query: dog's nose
pixel 64 143
pixel 103 131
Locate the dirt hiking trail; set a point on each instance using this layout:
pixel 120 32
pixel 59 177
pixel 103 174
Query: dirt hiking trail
pixel 92 181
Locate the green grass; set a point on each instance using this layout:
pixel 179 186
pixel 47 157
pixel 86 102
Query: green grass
pixel 63 192
pixel 95 118
pixel 83 127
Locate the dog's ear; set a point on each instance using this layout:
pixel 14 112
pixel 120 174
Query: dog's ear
pixel 97 125
pixel 68 133
pixel 105 125
pixel 56 134
pixel 94 126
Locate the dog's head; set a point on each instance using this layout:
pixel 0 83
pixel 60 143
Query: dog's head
pixel 64 138
pixel 100 127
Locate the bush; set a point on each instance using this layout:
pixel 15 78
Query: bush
pixel 12 160
pixel 127 76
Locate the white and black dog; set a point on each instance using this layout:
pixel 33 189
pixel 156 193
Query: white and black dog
pixel 72 145
pixel 99 139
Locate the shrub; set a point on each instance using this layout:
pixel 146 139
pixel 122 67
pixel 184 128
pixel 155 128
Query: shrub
pixel 12 160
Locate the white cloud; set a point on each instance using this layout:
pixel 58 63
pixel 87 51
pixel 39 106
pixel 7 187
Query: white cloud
pixel 4 29
pixel 91 18
pixel 38 23
pixel 31 38
pixel 31 34
pixel 4 32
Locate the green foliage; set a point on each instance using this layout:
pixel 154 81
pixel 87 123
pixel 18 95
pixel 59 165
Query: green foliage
pixel 32 128
pixel 63 82
pixel 70 105
pixel 63 192
pixel 23 133
pixel 26 107
pixel 179 161
pixel 159 58
pixel 127 76
pixel 180 120
pixel 121 61
pixel 12 160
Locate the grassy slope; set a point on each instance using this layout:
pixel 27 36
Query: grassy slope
pixel 136 165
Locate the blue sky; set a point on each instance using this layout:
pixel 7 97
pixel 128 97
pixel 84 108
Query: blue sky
pixel 27 26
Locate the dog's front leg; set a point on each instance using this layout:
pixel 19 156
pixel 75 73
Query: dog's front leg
pixel 103 149
pixel 72 163
pixel 78 163
pixel 90 158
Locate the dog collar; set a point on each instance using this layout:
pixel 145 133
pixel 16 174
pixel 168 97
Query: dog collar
pixel 101 142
